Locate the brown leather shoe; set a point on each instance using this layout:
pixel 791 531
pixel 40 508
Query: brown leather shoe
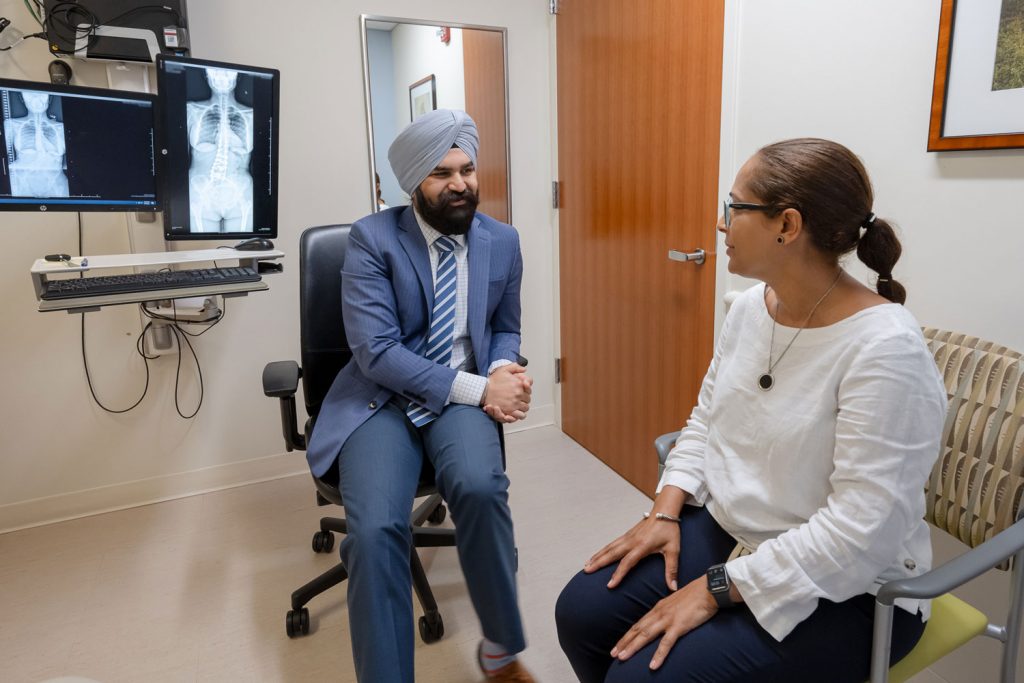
pixel 513 672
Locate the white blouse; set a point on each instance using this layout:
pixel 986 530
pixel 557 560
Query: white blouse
pixel 822 476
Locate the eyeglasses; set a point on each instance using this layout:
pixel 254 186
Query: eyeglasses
pixel 727 209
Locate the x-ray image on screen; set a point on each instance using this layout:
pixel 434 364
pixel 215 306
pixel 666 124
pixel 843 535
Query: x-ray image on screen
pixel 219 136
pixel 36 148
pixel 67 148
pixel 220 142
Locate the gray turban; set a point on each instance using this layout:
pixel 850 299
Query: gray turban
pixel 421 146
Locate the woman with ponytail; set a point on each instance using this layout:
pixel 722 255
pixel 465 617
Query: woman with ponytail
pixel 816 427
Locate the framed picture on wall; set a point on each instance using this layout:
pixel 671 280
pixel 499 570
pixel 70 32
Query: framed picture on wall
pixel 978 93
pixel 422 97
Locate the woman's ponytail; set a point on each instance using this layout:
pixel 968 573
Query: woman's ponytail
pixel 880 249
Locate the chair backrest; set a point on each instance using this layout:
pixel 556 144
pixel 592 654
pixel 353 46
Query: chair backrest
pixel 976 484
pixel 324 349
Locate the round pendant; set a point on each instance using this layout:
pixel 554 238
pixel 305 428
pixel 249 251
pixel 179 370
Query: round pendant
pixel 766 381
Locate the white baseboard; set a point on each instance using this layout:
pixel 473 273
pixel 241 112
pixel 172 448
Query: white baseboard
pixel 65 506
pixel 539 416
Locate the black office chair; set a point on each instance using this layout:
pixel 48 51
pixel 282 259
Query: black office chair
pixel 324 351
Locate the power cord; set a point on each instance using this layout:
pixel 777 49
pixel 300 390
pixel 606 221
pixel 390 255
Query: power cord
pixel 180 335
pixel 85 360
pixel 11 37
pixel 145 360
pixel 36 9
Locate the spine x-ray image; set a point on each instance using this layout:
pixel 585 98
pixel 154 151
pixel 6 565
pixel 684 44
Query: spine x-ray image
pixel 34 136
pixel 218 133
pixel 220 137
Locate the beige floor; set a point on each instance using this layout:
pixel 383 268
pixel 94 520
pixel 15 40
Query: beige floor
pixel 196 589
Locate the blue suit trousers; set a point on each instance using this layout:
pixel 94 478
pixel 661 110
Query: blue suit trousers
pixel 379 470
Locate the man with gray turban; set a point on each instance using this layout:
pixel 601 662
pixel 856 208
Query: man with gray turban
pixel 430 299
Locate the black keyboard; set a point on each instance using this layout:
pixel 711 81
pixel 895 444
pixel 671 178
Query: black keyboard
pixel 142 282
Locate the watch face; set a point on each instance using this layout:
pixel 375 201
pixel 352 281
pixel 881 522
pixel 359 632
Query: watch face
pixel 717 579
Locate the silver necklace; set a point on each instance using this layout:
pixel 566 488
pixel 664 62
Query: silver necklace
pixel 766 381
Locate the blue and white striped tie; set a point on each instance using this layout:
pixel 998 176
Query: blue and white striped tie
pixel 442 321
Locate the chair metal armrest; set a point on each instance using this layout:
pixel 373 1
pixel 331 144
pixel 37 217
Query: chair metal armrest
pixel 663 444
pixel 281 381
pixel 957 571
pixel 941 580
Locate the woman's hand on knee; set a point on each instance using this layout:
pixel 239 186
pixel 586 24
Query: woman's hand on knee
pixel 648 537
pixel 672 618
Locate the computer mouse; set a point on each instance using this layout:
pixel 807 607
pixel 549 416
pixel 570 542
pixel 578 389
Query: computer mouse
pixel 255 244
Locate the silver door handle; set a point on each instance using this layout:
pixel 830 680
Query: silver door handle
pixel 695 256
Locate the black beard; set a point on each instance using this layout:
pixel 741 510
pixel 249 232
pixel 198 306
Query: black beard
pixel 445 218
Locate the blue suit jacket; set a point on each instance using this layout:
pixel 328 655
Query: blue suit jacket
pixel 387 295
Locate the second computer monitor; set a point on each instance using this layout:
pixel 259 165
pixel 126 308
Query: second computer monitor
pixel 218 139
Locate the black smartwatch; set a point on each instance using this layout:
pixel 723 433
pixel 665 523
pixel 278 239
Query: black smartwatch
pixel 719 586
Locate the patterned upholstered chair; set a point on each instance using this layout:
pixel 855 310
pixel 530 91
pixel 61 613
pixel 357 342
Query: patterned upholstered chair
pixel 974 495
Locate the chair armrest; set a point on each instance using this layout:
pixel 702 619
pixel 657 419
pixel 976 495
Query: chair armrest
pixel 957 571
pixel 281 381
pixel 663 444
pixel 281 378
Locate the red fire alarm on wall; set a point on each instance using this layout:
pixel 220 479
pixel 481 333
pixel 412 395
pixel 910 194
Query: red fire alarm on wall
pixel 445 34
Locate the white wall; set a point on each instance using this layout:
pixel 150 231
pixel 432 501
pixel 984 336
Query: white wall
pixel 861 73
pixel 60 454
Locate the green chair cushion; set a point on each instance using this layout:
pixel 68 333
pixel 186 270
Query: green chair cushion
pixel 953 622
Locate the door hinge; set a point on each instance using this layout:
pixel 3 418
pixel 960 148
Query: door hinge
pixel 558 371
pixel 553 6
pixel 556 200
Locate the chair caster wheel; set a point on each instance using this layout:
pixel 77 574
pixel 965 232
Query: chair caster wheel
pixel 296 622
pixel 431 627
pixel 323 542
pixel 438 515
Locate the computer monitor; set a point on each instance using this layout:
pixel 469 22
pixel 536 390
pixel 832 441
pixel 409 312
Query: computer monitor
pixel 218 136
pixel 67 148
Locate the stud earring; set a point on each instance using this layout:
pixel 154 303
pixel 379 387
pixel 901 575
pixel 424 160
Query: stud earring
pixel 780 240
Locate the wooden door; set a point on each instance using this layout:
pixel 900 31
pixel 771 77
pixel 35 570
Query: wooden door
pixel 484 66
pixel 639 103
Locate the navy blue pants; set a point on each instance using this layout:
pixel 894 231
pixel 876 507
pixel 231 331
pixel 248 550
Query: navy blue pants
pixel 833 644
pixel 379 467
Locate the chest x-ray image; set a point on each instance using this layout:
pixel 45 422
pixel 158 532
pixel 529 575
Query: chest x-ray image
pixel 69 148
pixel 36 148
pixel 220 137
